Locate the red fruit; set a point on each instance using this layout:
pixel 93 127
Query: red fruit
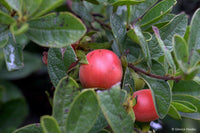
pixel 144 109
pixel 103 71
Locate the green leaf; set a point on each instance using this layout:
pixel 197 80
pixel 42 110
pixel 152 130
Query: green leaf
pixel 30 66
pixel 13 54
pixel 127 2
pixel 187 87
pixel 176 26
pixel 62 29
pixel 128 82
pixel 12 114
pixel 2 91
pixel 160 24
pixel 46 6
pixel 143 44
pixel 31 6
pixel 110 103
pixel 93 2
pixel 157 12
pixel 181 52
pixel 187 34
pixel 135 52
pixel 194 39
pixel 156 67
pixel 4 38
pixel 119 31
pixel 193 100
pixel 96 45
pixel 173 112
pixel 11 92
pixel 83 112
pixel 55 65
pixel 82 57
pixel 161 95
pixel 64 95
pixel 165 50
pixel 69 57
pixel 5 4
pixel 16 5
pixel 141 8
pixel 32 128
pixel 5 18
pixel 17 29
pixel 82 11
pixel 184 107
pixel 131 33
pixel 100 123
pixel 49 124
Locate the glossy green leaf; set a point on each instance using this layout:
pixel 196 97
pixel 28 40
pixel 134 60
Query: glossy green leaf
pixel 173 112
pixel 69 57
pixel 194 100
pixel 128 82
pixel 143 44
pixel 32 128
pixel 187 87
pixel 82 11
pixel 165 50
pixel 5 18
pixel 31 6
pixel 119 31
pixel 30 66
pixel 194 39
pixel 118 119
pixel 83 112
pixel 157 12
pixel 12 114
pixel 181 52
pixel 46 6
pixel 3 38
pixel 161 95
pixel 141 8
pixel 127 2
pixel 16 5
pixel 13 54
pixel 184 107
pixel 17 29
pixel 55 65
pixel 63 29
pixel 100 123
pixel 64 95
pixel 49 124
pixel 176 26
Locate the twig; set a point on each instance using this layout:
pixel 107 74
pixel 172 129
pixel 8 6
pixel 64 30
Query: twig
pixel 138 70
pixel 97 15
pixel 101 23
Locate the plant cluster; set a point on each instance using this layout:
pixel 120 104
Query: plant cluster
pixel 114 64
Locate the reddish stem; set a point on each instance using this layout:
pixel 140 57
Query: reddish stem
pixel 138 70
